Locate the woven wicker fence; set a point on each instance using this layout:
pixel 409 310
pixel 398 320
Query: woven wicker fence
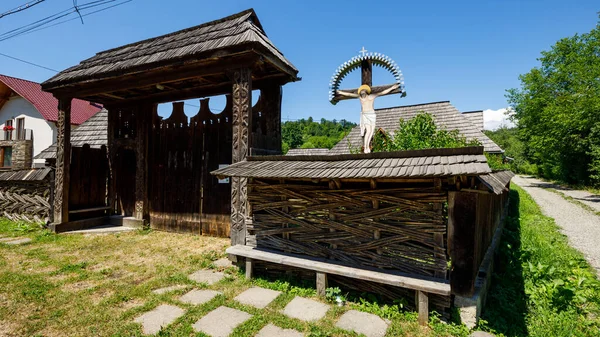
pixel 392 226
pixel 25 200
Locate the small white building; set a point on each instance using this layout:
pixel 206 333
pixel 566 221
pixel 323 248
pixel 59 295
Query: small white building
pixel 28 118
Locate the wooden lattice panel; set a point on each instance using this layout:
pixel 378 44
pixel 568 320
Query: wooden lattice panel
pixel 25 201
pixel 396 226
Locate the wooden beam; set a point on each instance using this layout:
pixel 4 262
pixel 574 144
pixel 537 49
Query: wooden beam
pixel 249 268
pixel 422 302
pixel 397 279
pixel 366 68
pixel 321 284
pixel 376 89
pixel 241 129
pixel 63 162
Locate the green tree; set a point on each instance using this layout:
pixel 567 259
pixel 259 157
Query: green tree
pixel 557 110
pixel 417 133
pixel 307 133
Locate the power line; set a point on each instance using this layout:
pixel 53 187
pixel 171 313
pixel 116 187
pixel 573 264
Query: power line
pixel 21 8
pixel 30 63
pixel 44 22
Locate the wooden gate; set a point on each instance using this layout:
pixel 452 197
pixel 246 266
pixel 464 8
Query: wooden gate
pixel 183 196
pixel 87 190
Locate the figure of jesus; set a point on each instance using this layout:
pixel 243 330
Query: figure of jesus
pixel 367 114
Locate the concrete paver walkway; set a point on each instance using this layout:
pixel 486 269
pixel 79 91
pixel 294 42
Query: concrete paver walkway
pixel 582 227
pixel 197 297
pixel 221 321
pixel 305 309
pixel 154 320
pixel 363 323
pixel 169 289
pixel 209 277
pixel 271 330
pixel 15 241
pixel 257 297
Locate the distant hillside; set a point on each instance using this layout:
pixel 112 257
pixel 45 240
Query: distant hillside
pixel 308 134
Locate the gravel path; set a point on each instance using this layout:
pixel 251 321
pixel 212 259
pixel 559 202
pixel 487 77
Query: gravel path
pixel 582 227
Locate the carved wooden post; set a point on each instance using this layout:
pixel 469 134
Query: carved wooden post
pixel 63 162
pixel 241 127
pixel 111 115
pixel 366 73
pixel 143 114
pixel 271 100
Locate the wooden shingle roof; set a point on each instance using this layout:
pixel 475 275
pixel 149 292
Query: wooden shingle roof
pixel 497 181
pixel 303 152
pixel 193 43
pixel 26 175
pixel 445 115
pixel 93 132
pixel 402 164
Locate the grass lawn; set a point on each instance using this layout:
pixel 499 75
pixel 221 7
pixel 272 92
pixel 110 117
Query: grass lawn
pixel 542 286
pixel 75 285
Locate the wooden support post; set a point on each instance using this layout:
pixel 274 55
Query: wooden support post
pixel 366 73
pixel 321 283
pixel 143 115
pixel 249 268
pixel 422 303
pixel 63 162
pixel 462 234
pixel 112 156
pixel 271 100
pixel 242 126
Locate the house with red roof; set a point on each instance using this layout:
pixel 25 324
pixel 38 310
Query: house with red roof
pixel 28 118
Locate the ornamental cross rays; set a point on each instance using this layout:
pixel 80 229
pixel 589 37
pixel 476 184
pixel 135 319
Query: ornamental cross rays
pixel 366 93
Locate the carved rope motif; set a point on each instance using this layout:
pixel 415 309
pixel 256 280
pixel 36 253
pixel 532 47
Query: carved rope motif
pixel 62 142
pixel 242 108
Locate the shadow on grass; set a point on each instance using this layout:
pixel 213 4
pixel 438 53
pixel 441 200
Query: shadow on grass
pixel 506 307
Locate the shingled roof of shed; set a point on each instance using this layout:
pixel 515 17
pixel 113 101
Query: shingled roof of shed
pixel 242 28
pixel 93 132
pixel 445 115
pixel 402 164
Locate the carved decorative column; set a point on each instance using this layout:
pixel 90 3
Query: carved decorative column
pixel 242 126
pixel 111 148
pixel 271 100
pixel 143 115
pixel 63 162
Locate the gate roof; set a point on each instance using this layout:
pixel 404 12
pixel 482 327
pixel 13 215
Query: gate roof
pixel 193 62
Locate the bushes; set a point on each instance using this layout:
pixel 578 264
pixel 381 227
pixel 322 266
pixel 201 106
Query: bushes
pixel 419 133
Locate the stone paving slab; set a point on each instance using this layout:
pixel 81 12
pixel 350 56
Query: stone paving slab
pixel 223 263
pixel 481 334
pixel 257 297
pixel 197 297
pixel 221 321
pixel 17 241
pixel 207 276
pixel 305 309
pixel 164 290
pixel 160 317
pixel 10 238
pixel 363 323
pixel 271 330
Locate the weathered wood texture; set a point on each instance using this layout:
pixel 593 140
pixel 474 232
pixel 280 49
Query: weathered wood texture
pixel 25 200
pixel 405 219
pixel 63 161
pixel 473 219
pixel 184 197
pixel 242 126
pixel 89 170
pixel 324 266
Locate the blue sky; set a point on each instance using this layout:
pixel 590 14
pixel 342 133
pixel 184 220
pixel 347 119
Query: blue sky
pixel 467 52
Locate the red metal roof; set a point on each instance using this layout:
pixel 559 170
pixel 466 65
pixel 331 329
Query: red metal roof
pixel 46 104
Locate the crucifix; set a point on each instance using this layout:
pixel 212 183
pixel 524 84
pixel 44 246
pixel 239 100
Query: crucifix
pixel 366 93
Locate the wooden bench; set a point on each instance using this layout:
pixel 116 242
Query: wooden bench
pixel 422 286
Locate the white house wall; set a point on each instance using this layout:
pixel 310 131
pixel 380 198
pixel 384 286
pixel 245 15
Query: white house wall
pixel 44 133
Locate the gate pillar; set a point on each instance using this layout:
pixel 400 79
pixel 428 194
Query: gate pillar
pixel 242 126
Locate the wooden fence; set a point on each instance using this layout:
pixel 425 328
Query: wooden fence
pixel 25 195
